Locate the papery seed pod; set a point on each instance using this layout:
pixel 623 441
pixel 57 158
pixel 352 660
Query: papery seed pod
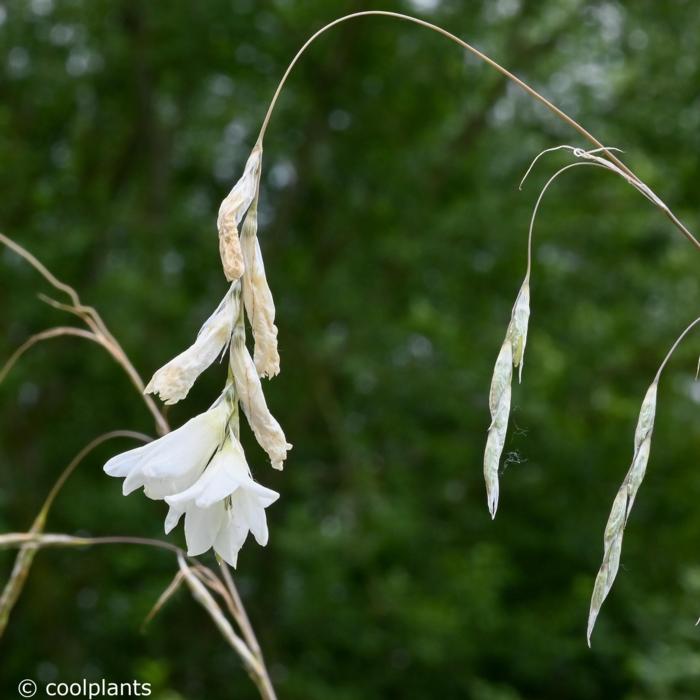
pixel 266 429
pixel 232 211
pixel 614 530
pixel 499 405
pixel 173 381
pixel 517 328
pixel 257 297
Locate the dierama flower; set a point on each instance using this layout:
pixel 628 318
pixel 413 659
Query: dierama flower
pixel 222 506
pixel 175 461
pixel 200 469
pixel 173 381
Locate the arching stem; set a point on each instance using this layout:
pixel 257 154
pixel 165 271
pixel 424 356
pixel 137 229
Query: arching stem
pixel 486 59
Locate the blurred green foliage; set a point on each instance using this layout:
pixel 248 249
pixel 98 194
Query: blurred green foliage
pixel 394 236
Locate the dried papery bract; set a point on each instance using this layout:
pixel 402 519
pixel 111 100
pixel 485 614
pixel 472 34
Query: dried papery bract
pixel 231 213
pixel 173 381
pixel 512 354
pixel 622 505
pixel 499 405
pixel 517 330
pixel 265 427
pixel 257 298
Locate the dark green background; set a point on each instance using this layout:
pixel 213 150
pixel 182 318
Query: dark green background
pixel 394 237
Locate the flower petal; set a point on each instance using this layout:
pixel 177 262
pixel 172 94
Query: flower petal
pixel 202 527
pixel 172 518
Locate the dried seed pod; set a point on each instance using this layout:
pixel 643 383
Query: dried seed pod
pixel 614 530
pixel 517 329
pixel 173 381
pixel 257 297
pixel 232 211
pixel 499 405
pixel 266 429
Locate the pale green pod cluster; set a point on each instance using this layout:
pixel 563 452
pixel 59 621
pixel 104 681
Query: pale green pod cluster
pixel 512 354
pixel 622 505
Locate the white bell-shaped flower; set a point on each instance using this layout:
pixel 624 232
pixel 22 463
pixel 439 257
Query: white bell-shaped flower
pixel 174 462
pixel 222 506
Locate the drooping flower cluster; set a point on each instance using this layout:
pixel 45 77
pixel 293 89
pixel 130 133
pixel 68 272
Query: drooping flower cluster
pixel 200 469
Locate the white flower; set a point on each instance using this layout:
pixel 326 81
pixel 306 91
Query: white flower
pixel 173 381
pixel 231 213
pixel 257 297
pixel 222 506
pixel 174 462
pixel 266 429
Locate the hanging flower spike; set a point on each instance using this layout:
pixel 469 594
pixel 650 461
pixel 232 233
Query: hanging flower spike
pixel 174 462
pixel 622 505
pixel 173 381
pixel 266 429
pixel 222 506
pixel 231 213
pixel 257 298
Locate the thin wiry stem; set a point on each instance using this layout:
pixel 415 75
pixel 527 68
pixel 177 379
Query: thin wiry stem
pixel 242 615
pixel 57 332
pixel 675 345
pixel 252 665
pixel 14 539
pixel 164 597
pixel 537 206
pixel 37 265
pixel 497 66
pixel 100 332
pixel 25 557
